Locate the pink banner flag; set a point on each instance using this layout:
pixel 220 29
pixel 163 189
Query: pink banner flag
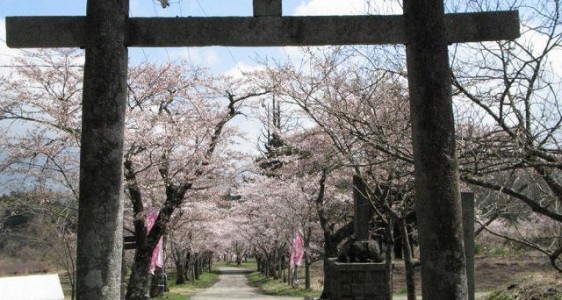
pixel 297 250
pixel 157 258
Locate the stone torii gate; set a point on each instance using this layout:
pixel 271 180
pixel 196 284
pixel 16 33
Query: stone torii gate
pixel 106 31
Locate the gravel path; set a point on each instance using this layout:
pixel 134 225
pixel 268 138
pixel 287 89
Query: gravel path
pixel 233 284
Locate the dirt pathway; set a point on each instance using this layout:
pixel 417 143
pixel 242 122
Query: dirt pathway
pixel 233 284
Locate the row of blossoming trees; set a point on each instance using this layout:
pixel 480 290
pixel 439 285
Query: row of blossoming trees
pixel 509 119
pixel 337 113
pixel 176 155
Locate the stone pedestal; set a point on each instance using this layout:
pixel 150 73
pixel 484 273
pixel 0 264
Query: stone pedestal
pixel 358 281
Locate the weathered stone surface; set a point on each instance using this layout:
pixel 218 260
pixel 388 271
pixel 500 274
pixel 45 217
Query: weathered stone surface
pixel 362 209
pixel 267 8
pixel 360 251
pixel 100 205
pixel 44 32
pixel 358 281
pixel 438 207
pixel 467 199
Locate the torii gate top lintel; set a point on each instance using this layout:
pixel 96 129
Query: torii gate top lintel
pixel 266 28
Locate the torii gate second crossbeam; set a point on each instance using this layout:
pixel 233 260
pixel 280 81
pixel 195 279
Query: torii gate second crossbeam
pixel 106 31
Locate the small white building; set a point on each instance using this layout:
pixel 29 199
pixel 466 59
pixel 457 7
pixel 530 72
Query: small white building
pixel 31 287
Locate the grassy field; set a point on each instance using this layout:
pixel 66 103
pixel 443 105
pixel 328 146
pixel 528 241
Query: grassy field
pixel 277 287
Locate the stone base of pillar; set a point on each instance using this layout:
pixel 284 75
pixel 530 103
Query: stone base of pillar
pixel 358 281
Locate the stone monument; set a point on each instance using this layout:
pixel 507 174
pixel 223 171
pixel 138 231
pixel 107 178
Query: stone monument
pixel 359 271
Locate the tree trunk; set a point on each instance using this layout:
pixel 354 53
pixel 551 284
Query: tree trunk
pixel 238 260
pixel 200 263
pixel 123 276
pixel 138 282
pixel 438 206
pixel 330 250
pixel 307 265
pixel 263 266
pixel 181 277
pixel 197 265
pixel 397 243
pixel 307 262
pixel 191 269
pixel 284 273
pixel 271 266
pixel 100 223
pixel 290 275
pixel 279 268
pixel 259 265
pixel 181 271
pixel 410 275
pixel 388 252
pixel 209 262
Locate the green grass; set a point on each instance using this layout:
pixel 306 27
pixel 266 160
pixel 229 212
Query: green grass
pixel 173 296
pixel 183 291
pixel 251 264
pixel 401 292
pixel 206 280
pixel 270 286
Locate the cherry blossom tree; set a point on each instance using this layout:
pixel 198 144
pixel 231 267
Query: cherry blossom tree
pixel 203 227
pixel 508 98
pixel 176 141
pixel 177 136
pixel 282 207
pixel 363 113
pixel 40 134
pixel 190 236
pixel 40 120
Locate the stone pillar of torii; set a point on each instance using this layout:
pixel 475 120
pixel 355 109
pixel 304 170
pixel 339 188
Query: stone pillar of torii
pixel 107 31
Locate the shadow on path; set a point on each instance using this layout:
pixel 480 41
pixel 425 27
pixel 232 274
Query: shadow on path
pixel 233 271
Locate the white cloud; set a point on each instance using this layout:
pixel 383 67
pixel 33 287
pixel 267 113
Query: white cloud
pixel 386 7
pixel 6 54
pixel 292 52
pixel 330 7
pixel 536 44
pixel 348 7
pixel 204 56
pixel 242 67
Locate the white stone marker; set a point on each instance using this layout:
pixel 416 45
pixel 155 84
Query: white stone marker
pixel 32 287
